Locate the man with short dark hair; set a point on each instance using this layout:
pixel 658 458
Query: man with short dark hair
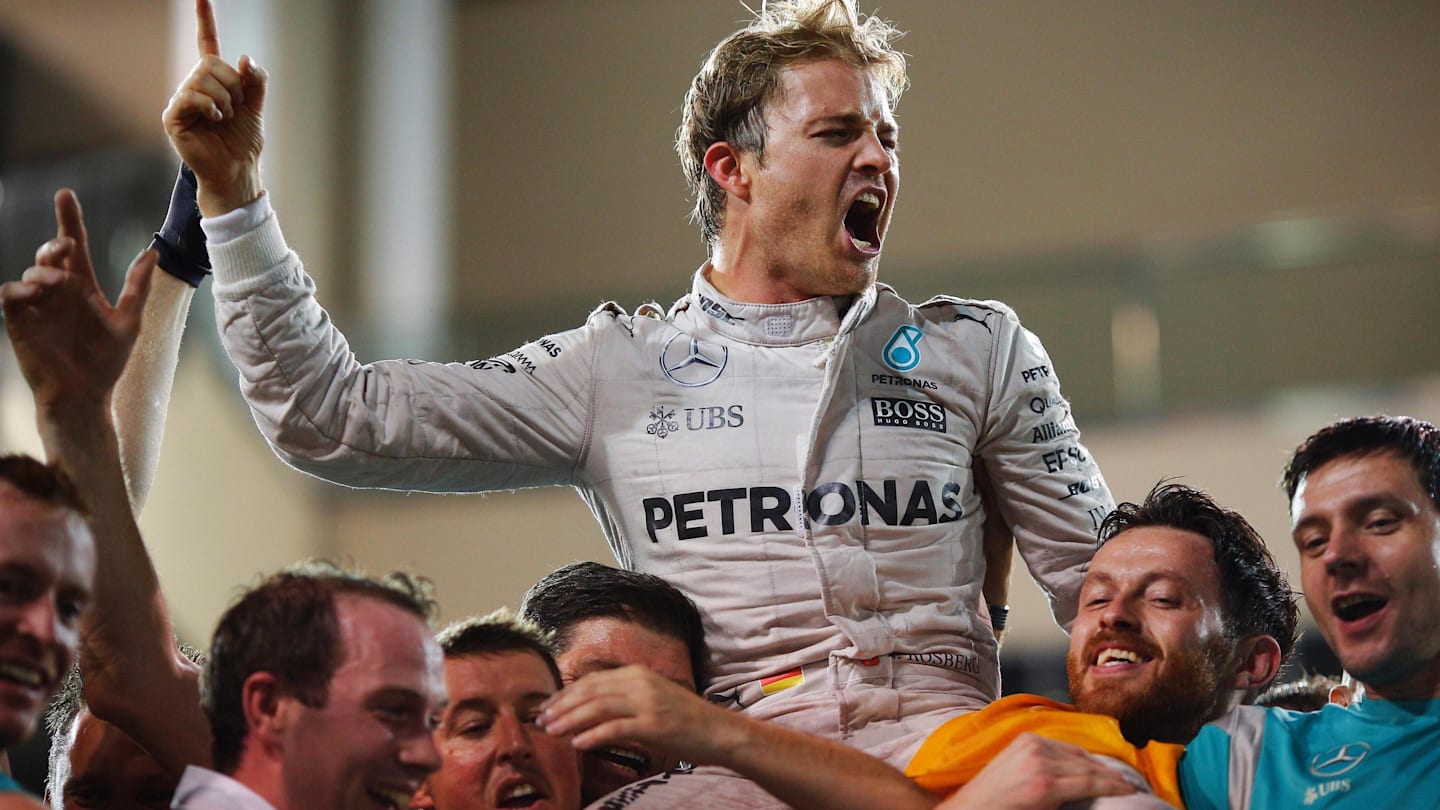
pixel 47 571
pixel 320 690
pixel 1184 615
pixel 1365 510
pixel 499 671
pixel 605 618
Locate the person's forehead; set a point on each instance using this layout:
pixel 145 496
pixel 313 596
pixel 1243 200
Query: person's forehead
pixel 502 678
pixel 817 88
pixel 1150 552
pixel 1358 477
pixel 612 640
pixel 46 537
pixel 387 643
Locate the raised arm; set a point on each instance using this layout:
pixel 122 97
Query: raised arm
pixel 635 704
pixel 214 122
pixel 72 346
pixel 142 395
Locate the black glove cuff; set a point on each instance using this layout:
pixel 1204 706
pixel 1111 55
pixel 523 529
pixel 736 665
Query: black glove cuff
pixel 181 242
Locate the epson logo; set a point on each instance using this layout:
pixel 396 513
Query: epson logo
pixel 909 413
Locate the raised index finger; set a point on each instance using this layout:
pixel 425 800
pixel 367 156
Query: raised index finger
pixel 70 222
pixel 206 35
pixel 68 219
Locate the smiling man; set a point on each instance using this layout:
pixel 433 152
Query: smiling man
pixel 47 572
pixel 1183 616
pixel 793 445
pixel 1365 506
pixel 321 689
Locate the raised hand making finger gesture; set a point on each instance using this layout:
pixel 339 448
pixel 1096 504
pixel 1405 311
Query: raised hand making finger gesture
pixel 71 343
pixel 214 122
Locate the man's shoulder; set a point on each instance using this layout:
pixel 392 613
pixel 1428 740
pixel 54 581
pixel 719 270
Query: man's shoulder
pixel 963 314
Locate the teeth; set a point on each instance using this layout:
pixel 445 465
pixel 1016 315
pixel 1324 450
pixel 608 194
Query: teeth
pixel 1112 655
pixel 1353 599
pixel 22 674
pixel 522 790
pixel 624 758
pixel 869 198
pixel 861 243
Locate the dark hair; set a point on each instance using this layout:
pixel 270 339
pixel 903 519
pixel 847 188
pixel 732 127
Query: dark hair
pixel 46 483
pixel 1414 441
pixel 587 590
pixel 1255 596
pixel 60 719
pixel 727 98
pixel 496 633
pixel 287 626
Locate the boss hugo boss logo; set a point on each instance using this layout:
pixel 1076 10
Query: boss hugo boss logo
pixel 691 362
pixel 902 352
pixel 908 413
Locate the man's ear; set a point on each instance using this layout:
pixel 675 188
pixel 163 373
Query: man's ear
pixel 1258 661
pixel 265 714
pixel 722 163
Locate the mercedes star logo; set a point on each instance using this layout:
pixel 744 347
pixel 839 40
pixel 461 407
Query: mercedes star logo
pixel 689 362
pixel 1338 761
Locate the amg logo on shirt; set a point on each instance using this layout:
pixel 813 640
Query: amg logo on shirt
pixel 910 413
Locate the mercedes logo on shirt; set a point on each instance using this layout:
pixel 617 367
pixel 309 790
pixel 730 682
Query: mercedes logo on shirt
pixel 1338 761
pixel 691 362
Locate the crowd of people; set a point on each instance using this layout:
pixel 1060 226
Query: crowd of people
pixel 808 596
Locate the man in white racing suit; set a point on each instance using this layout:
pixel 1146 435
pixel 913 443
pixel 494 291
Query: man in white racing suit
pixel 792 444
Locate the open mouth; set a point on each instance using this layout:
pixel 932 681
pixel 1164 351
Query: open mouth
pixel 631 761
pixel 26 676
pixel 1109 657
pixel 520 794
pixel 1357 606
pixel 862 222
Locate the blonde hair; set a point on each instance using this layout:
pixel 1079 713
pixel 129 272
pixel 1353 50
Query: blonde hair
pixel 727 99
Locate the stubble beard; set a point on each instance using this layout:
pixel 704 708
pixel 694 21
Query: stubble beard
pixel 1184 695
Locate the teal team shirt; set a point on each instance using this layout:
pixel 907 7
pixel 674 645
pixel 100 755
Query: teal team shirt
pixel 1377 754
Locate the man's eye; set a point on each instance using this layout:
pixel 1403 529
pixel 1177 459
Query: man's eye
pixel 1382 523
pixel 475 729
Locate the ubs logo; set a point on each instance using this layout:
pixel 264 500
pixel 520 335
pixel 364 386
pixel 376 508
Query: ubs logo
pixel 1339 761
pixel 690 362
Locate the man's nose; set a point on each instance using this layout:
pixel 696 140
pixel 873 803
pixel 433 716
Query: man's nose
pixel 420 753
pixel 40 620
pixel 513 738
pixel 1344 551
pixel 873 157
pixel 1119 612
